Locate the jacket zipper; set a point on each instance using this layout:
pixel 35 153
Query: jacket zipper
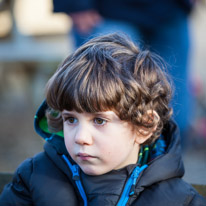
pixel 130 185
pixel 75 176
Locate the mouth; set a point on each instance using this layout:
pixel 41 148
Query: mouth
pixel 85 156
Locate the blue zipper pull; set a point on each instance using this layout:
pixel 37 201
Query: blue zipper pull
pixel 75 172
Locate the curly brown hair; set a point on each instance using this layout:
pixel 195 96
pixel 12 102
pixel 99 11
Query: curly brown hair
pixel 111 73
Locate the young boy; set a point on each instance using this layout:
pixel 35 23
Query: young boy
pixel 110 139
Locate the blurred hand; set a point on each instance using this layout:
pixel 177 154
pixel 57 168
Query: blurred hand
pixel 85 21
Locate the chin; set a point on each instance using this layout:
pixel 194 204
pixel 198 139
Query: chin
pixel 92 171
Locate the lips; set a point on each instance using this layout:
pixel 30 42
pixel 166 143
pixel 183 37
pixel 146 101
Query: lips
pixel 84 156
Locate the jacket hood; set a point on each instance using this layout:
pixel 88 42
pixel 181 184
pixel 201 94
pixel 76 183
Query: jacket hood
pixel 162 165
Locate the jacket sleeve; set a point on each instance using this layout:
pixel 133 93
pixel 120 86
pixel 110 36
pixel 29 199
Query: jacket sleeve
pixel 18 192
pixel 68 6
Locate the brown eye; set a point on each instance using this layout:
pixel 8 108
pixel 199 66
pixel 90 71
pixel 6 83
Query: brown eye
pixel 71 120
pixel 99 121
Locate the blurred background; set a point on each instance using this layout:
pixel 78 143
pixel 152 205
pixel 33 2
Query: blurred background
pixel 33 41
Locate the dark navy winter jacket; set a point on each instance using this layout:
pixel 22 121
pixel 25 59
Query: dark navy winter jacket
pixel 51 178
pixel 146 14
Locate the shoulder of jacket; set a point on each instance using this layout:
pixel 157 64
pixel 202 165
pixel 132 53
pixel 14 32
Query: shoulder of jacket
pixel 174 191
pixel 25 169
pixel 21 178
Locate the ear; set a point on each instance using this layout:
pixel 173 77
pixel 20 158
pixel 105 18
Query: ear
pixel 142 136
pixel 144 133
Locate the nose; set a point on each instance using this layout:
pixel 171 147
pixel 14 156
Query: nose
pixel 83 136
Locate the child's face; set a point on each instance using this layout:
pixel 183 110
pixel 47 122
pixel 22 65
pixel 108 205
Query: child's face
pixel 99 142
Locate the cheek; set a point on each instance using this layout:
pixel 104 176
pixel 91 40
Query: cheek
pixel 118 144
pixel 68 140
pixel 69 146
pixel 110 148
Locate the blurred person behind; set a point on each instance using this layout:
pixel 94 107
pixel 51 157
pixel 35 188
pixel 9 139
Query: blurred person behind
pixel 161 26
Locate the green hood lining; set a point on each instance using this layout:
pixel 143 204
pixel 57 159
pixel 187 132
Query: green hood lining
pixel 44 127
